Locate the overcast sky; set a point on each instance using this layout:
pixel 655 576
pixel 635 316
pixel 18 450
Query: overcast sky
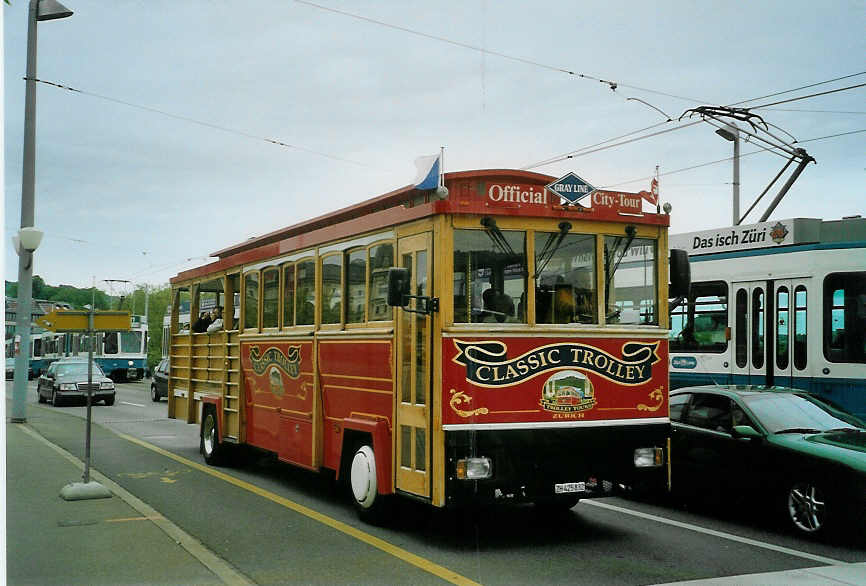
pixel 126 192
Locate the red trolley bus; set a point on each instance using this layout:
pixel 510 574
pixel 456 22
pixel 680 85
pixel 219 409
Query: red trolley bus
pixel 489 345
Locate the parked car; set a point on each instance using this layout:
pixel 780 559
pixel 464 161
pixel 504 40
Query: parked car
pixel 10 369
pixel 67 379
pixel 159 382
pixel 807 457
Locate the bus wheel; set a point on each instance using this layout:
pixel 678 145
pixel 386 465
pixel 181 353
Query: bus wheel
pixel 371 506
pixel 210 446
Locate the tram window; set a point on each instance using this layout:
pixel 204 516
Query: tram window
pixel 845 317
pixel 782 323
pixel 332 289
pixel 630 280
pixel 288 295
pixel 758 328
pixel 130 342
pixel 251 300
pixel 800 327
pixel 306 293
pixel 699 324
pixel 381 259
pixel 565 280
pixel 489 276
pixel 270 298
pixel 109 345
pixel 741 335
pixel 356 279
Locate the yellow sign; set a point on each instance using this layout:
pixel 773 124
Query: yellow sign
pixel 77 321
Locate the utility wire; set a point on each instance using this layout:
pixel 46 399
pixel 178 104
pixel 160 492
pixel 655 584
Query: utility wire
pixel 841 89
pixel 613 85
pixel 803 87
pixel 199 122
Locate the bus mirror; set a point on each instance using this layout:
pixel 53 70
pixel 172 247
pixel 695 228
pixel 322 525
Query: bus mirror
pixel 680 274
pixel 398 286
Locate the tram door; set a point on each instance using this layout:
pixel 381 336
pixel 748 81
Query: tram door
pixel 413 371
pixel 749 336
pixel 790 333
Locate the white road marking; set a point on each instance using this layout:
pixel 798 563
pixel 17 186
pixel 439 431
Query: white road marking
pixel 721 534
pixel 133 404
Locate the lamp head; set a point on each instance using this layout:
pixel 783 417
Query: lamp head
pixel 441 192
pixel 51 10
pixel 27 239
pixel 667 207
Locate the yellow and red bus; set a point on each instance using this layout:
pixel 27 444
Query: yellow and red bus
pixel 483 343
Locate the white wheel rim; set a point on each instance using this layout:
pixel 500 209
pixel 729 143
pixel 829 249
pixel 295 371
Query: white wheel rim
pixel 363 477
pixel 807 507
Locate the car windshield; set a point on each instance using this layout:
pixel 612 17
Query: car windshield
pixel 77 368
pixel 781 412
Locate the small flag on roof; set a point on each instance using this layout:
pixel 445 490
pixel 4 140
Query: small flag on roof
pixel 428 172
pixel 652 195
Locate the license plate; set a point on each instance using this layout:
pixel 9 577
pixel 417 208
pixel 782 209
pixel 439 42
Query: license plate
pixel 569 487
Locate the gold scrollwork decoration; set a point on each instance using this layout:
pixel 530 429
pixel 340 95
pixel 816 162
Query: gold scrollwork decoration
pixel 458 398
pixel 656 395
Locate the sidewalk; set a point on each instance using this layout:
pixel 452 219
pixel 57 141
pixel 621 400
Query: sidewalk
pixel 117 540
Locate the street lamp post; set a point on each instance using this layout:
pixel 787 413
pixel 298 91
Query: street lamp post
pixel 731 133
pixel 39 10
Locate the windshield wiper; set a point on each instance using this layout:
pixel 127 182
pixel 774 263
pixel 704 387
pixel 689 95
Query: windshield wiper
pixel 550 248
pixel 848 429
pixel 799 430
pixel 611 263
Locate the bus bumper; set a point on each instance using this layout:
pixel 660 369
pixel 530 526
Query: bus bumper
pixel 538 464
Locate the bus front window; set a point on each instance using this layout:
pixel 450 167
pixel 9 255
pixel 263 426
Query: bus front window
pixel 630 280
pixel 565 289
pixel 489 276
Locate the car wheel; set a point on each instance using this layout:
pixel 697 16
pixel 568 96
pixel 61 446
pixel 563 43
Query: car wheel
pixel 371 506
pixel 210 447
pixel 109 400
pixel 154 394
pixel 40 397
pixel 55 400
pixel 807 507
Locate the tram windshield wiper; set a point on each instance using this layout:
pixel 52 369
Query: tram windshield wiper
pixel 496 235
pixel 611 263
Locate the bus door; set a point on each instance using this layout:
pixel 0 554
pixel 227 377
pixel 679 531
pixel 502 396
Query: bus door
pixel 749 360
pixel 413 414
pixel 789 340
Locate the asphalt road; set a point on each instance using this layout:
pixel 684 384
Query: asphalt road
pixel 275 523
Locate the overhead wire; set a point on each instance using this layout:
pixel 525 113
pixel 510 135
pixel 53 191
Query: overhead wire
pixel 198 122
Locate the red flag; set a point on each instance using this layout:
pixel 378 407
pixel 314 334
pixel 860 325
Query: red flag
pixel 652 195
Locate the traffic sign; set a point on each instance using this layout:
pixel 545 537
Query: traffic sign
pixel 570 188
pixel 77 321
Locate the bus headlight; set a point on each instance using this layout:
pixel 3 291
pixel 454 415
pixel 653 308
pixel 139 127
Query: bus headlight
pixel 474 468
pixel 648 457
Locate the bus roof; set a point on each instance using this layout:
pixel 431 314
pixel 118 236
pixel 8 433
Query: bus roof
pixel 484 192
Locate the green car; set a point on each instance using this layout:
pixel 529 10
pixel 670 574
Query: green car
pixel 734 443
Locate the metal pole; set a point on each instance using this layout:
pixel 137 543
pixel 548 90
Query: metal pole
pixel 25 258
pixel 805 160
pixel 736 175
pixel 89 388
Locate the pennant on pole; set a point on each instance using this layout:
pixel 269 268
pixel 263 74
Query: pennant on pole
pixel 428 172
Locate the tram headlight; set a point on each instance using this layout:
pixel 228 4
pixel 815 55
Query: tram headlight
pixel 648 457
pixel 130 363
pixel 474 468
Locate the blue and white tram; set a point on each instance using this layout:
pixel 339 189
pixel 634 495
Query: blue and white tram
pixel 121 355
pixel 777 303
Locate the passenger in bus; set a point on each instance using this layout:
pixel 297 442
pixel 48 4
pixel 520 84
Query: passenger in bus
pixel 497 304
pixel 201 324
pixel 217 323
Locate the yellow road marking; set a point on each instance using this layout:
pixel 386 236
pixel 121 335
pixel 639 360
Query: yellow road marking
pixel 381 544
pixel 123 520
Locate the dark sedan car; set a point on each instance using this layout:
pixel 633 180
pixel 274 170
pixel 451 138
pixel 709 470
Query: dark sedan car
pixel 159 383
pixel 740 443
pixel 67 379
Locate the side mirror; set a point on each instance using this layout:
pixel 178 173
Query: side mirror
pixel 746 431
pixel 398 286
pixel 680 274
